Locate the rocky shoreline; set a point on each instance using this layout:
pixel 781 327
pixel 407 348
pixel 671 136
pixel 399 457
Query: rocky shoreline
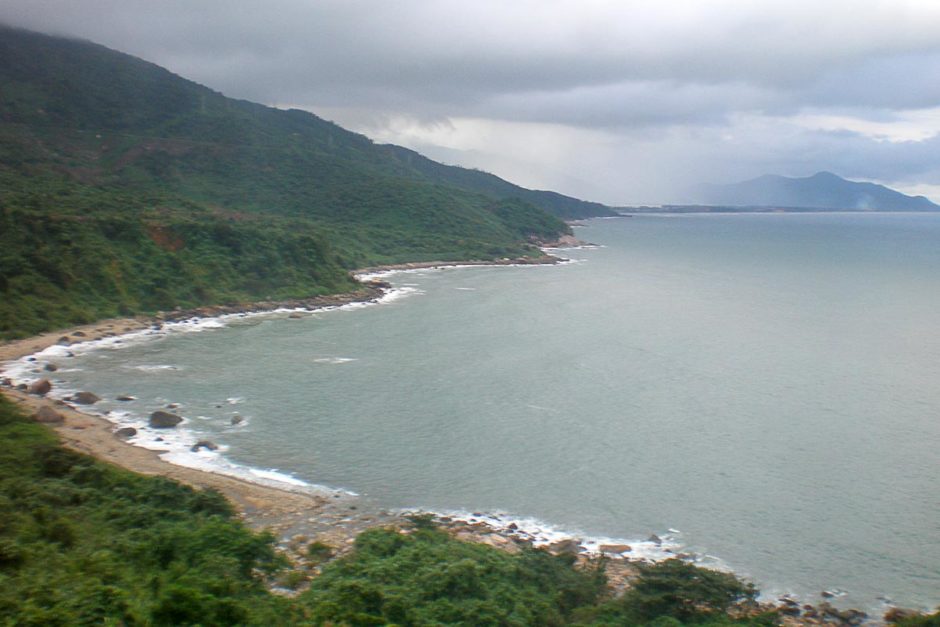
pixel 422 265
pixel 298 517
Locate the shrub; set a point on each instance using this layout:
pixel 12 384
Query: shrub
pixel 680 590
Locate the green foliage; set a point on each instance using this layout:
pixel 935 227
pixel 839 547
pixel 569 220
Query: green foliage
pixel 675 592
pixel 82 542
pixel 426 577
pixel 318 551
pixel 920 620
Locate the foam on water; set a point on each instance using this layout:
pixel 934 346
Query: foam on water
pixel 334 360
pixel 658 547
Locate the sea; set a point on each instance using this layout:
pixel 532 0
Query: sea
pixel 759 392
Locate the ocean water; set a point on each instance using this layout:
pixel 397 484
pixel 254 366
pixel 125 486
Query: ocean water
pixel 762 390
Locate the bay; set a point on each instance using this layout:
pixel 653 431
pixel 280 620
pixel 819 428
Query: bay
pixel 765 384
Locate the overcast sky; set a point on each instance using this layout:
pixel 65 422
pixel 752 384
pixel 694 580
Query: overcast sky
pixel 624 102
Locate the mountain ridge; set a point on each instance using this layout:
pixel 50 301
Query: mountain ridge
pixel 823 190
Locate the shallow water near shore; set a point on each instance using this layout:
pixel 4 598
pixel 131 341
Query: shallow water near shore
pixel 765 386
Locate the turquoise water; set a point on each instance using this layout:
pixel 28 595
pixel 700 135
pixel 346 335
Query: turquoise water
pixel 766 385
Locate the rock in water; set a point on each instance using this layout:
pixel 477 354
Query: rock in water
pixel 206 444
pixel 85 398
pixel 236 419
pixel 50 367
pixel 164 420
pixel 125 398
pixel 48 416
pixel 40 387
pixel 126 432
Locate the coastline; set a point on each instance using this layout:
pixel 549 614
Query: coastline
pixel 294 516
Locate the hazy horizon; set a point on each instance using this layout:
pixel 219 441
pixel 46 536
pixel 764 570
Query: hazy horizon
pixel 619 103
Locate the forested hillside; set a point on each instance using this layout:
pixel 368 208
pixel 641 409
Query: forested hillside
pixel 125 188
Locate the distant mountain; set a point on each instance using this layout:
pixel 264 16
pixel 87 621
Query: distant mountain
pixel 823 190
pixel 125 188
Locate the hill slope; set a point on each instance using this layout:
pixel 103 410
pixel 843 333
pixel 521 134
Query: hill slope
pixel 823 190
pixel 125 188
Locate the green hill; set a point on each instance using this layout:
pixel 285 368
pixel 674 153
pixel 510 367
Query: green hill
pixel 125 188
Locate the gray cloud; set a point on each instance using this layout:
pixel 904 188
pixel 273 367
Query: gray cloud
pixel 683 90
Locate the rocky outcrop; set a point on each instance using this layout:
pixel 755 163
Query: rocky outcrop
pixel 164 420
pixel 828 613
pixel 48 416
pixel 614 549
pixel 567 546
pixel 40 387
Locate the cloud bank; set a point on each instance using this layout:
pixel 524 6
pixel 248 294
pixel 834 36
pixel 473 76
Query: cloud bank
pixel 623 102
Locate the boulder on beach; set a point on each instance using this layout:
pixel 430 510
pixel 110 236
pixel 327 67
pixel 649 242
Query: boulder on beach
pixel 79 334
pixel 615 549
pixel 164 420
pixel 126 432
pixel 209 445
pixel 568 545
pixel 85 398
pixel 49 416
pixel 40 387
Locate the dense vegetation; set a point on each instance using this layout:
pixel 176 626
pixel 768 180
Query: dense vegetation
pixel 428 578
pixel 125 188
pixel 86 543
